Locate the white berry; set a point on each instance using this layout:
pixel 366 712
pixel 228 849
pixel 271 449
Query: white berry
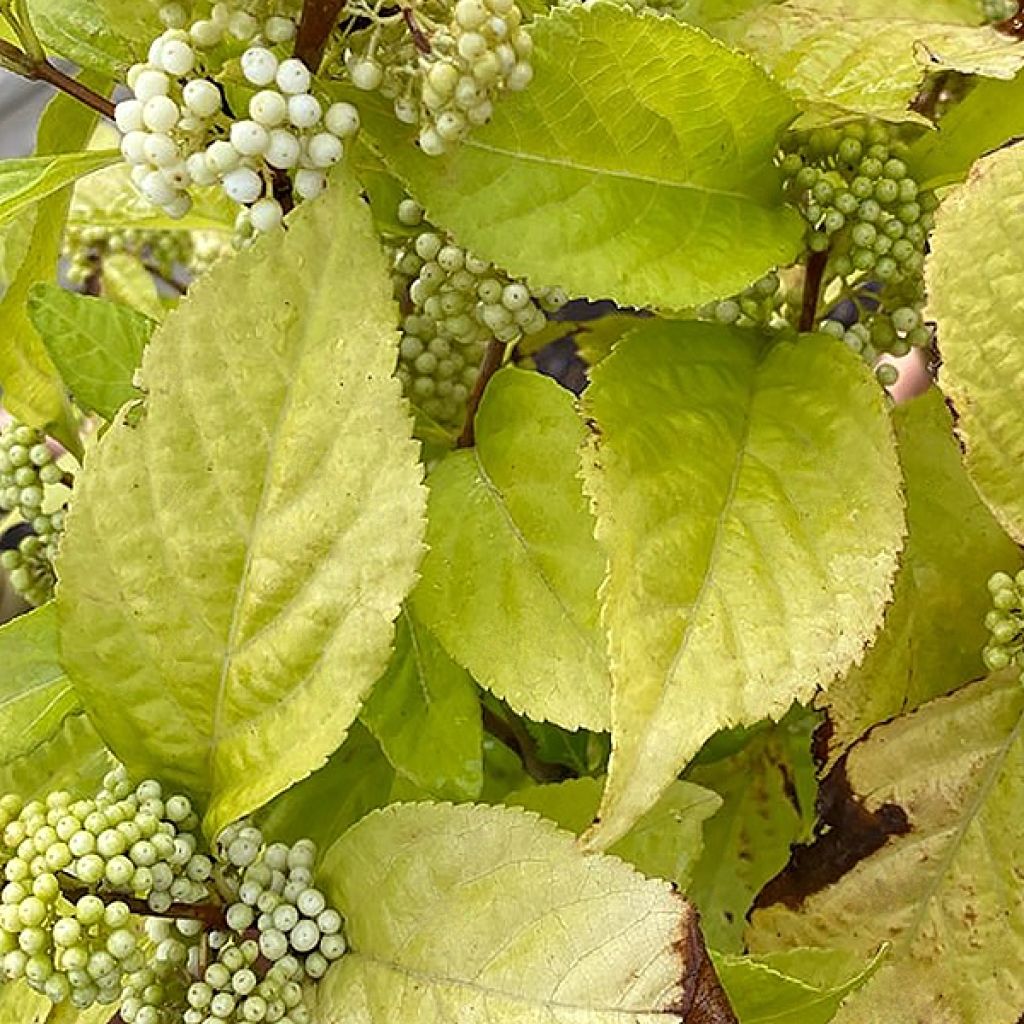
pixel 201 97
pixel 177 58
pixel 266 214
pixel 249 138
pixel 151 83
pixel 309 184
pixel 128 116
pixel 324 149
pixel 284 149
pixel 160 113
pixel 293 77
pixel 279 30
pixel 342 119
pixel 259 65
pixel 133 147
pixel 366 75
pixel 222 156
pixel 268 107
pixel 161 150
pixel 304 111
pixel 243 185
pixel 205 33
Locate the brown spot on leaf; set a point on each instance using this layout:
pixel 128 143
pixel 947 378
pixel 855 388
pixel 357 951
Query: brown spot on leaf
pixel 846 833
pixel 702 999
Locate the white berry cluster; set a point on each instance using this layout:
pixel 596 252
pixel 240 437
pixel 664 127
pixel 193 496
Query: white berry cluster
pixel 178 131
pixel 445 73
pixel 28 466
pixel 458 303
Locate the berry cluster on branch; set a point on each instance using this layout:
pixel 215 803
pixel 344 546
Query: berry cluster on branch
pixel 28 468
pixel 112 900
pixel 1005 622
pixel 454 303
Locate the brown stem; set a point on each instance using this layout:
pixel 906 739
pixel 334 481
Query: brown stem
pixel 164 279
pixel 516 737
pixel 419 39
pixel 281 186
pixel 489 366
pixel 318 18
pixel 209 914
pixel 43 71
pixel 812 289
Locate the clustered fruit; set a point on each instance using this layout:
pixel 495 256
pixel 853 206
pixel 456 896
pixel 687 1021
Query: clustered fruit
pixel 111 900
pixel 454 304
pixel 866 211
pixel 443 67
pixel 179 132
pixel 757 305
pixel 28 468
pixel 1005 622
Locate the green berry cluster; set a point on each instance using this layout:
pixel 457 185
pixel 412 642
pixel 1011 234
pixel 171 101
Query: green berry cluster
pixel 1005 622
pixel 443 65
pixel 996 11
pixel 758 305
pixel 65 923
pixel 85 249
pixel 27 467
pixel 455 304
pixel 111 900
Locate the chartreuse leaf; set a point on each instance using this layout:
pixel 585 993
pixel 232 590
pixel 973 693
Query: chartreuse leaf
pixel 32 388
pixel 748 497
pixel 990 114
pixel 356 780
pixel 973 272
pixel 35 694
pixel 847 56
pixel 798 986
pixel 492 914
pixel 20 1005
pixel 82 32
pixel 511 540
pixel 25 182
pixel 765 810
pixel 260 524
pixel 934 629
pixel 637 166
pixel 425 714
pixel 126 282
pixel 96 345
pixel 665 843
pixel 941 882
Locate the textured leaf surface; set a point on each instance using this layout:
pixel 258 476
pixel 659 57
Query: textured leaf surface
pixel 95 345
pixel 945 889
pixel 510 921
pixel 24 182
pixel 975 268
pixel 32 388
pixel 934 629
pixel 425 714
pixel 845 56
pixel 35 694
pixel 233 563
pixel 664 843
pixel 766 807
pixel 990 114
pixel 81 32
pixel 748 497
pixel 637 166
pixel 126 282
pixel 511 536
pixel 799 986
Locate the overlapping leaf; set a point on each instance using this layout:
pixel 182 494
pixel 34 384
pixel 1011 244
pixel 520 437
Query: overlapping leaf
pixel 234 560
pixel 638 165
pixel 748 497
pixel 934 629
pixel 510 580
pixel 27 181
pixel 975 269
pixel 492 914
pixel 941 882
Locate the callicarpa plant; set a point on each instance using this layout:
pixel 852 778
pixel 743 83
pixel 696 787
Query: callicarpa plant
pixel 511 513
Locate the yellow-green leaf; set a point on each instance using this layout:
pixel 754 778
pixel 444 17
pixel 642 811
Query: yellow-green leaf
pixel 511 539
pixel 236 555
pixel 934 629
pixel 975 269
pixel 748 497
pixel 480 914
pixel 944 785
pixel 27 181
